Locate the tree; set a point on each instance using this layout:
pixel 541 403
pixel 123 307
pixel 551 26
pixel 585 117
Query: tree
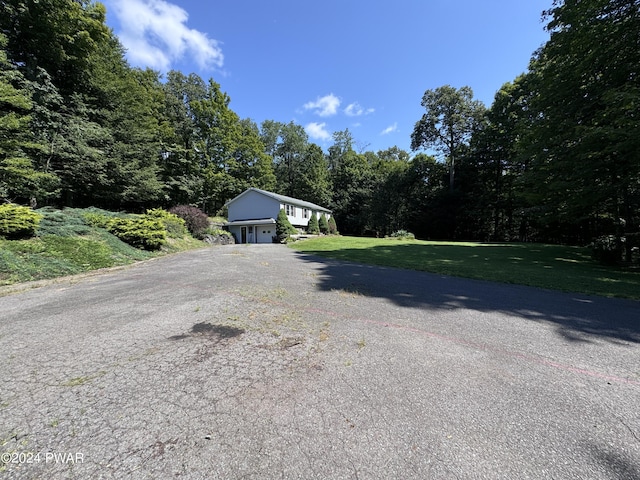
pixel 323 225
pixel 495 200
pixel 428 214
pixel 333 228
pixel 179 168
pixel 313 226
pixel 58 36
pixel 584 143
pixel 450 119
pixel 283 226
pixel 342 143
pixel 131 103
pixel 287 144
pixel 388 210
pixel 352 192
pixel 314 181
pixel 19 177
pixel 254 167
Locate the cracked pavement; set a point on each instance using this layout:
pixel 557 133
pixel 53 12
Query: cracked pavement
pixel 261 362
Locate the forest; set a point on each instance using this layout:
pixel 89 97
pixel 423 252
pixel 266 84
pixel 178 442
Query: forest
pixel 555 158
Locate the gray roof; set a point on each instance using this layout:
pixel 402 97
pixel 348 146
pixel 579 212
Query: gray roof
pixel 285 199
pixel 257 221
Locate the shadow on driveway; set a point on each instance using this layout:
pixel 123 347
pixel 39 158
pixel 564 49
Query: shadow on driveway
pixel 203 329
pixel 576 316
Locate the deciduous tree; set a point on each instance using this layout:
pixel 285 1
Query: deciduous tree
pixel 446 126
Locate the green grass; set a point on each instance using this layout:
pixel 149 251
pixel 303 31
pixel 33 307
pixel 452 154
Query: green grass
pixel 547 266
pixel 66 246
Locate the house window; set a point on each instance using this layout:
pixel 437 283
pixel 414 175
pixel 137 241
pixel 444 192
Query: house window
pixel 305 213
pixel 290 210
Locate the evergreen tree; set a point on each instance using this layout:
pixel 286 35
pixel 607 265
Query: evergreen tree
pixel 323 225
pixel 333 228
pixel 313 226
pixel 283 226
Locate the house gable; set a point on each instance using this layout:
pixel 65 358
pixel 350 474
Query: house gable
pixel 252 204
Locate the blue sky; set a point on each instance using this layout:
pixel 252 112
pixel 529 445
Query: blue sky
pixel 335 64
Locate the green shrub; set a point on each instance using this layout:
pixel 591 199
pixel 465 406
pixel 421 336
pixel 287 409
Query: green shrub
pixel 176 227
pixel 323 225
pixel 97 220
pixel 217 232
pixel 313 226
pixel 143 232
pixel 195 219
pixel 284 227
pixel 403 235
pixel 333 228
pixel 17 221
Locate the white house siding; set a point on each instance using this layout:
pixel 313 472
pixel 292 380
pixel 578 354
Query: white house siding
pixel 253 205
pixel 298 220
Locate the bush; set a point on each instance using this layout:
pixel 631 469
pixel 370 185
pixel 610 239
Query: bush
pixel 143 232
pixel 97 220
pixel 217 232
pixel 176 227
pixel 323 225
pixel 607 249
pixel 403 235
pixel 195 219
pixel 333 228
pixel 17 221
pixel 313 227
pixel 283 227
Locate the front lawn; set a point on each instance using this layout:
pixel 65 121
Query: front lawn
pixel 548 266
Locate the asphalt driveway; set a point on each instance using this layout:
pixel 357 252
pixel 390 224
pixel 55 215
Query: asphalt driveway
pixel 260 362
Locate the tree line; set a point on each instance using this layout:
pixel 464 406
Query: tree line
pixel 555 158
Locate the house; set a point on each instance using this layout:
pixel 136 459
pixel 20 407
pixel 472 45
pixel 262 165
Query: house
pixel 253 213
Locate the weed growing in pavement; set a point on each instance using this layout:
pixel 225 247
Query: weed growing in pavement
pixel 74 382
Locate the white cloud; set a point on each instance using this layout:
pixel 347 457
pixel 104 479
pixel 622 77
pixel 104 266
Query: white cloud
pixel 324 106
pixel 355 110
pixel 390 129
pixel 318 131
pixel 155 34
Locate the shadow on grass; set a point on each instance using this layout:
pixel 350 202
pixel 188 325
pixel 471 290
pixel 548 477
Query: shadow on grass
pixel 578 317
